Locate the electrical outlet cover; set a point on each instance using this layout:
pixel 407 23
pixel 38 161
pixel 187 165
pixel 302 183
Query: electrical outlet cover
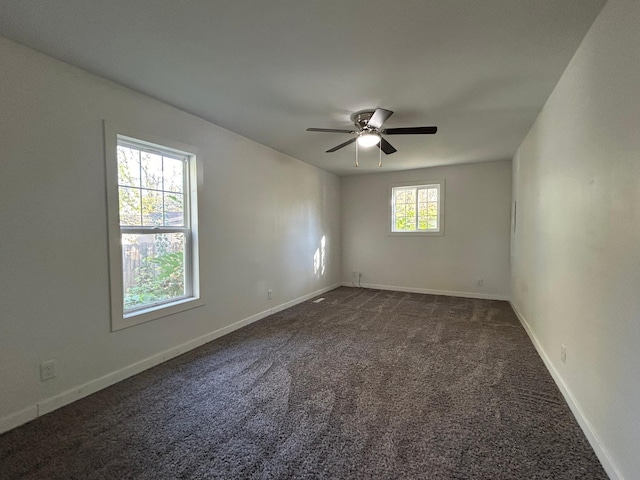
pixel 47 370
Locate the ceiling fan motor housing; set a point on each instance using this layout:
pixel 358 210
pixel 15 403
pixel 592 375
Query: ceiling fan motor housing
pixel 361 120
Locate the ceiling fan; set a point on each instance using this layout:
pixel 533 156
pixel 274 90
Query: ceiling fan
pixel 369 130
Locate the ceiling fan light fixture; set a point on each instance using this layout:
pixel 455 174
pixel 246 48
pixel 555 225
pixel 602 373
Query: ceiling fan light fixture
pixel 368 139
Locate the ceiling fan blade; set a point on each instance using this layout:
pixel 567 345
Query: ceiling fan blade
pixel 379 117
pixel 386 147
pixel 411 131
pixel 348 142
pixel 330 130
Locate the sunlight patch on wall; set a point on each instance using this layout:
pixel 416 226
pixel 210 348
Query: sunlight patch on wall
pixel 319 262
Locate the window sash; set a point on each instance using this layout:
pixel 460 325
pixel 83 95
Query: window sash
pixel 188 267
pixel 168 153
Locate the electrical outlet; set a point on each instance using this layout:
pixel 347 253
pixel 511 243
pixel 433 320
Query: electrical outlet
pixel 480 282
pixel 47 370
pixel 563 353
pixel 269 294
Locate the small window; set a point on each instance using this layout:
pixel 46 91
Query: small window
pixel 417 208
pixel 153 231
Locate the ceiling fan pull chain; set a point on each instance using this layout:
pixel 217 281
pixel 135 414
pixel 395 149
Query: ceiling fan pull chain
pixel 356 154
pixel 380 155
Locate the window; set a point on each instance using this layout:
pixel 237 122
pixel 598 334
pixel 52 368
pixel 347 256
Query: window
pixel 417 208
pixel 153 252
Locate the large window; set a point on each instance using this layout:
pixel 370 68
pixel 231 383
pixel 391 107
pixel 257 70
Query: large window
pixel 153 229
pixel 417 208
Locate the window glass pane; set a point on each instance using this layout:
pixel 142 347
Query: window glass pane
pixel 401 195
pixel 128 166
pixel 433 194
pixel 432 223
pixel 400 218
pixel 432 209
pixel 422 216
pixel 411 195
pixel 129 199
pixel 153 268
pixel 172 173
pixel 151 166
pixel 173 209
pixel 411 210
pixel 422 195
pixel 401 224
pixel 410 223
pixel 151 208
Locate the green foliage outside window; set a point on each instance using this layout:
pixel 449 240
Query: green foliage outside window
pixel 157 278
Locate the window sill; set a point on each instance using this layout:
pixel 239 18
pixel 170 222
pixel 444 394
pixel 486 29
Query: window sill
pixel 155 312
pixel 416 234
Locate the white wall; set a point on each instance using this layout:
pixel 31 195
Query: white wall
pixel 475 244
pixel 576 270
pixel 263 215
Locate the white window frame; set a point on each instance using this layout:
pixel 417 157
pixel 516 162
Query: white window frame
pixel 119 318
pixel 440 185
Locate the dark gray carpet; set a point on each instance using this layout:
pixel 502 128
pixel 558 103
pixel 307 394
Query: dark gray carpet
pixel 367 384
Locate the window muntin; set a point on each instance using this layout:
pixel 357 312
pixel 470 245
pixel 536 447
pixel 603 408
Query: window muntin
pixel 416 208
pixel 155 230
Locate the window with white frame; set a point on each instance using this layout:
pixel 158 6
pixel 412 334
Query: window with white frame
pixel 152 192
pixel 417 208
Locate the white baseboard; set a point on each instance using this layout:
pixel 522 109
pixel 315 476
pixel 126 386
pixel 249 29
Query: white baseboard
pixel 16 419
pixel 53 403
pixel 303 298
pixel 447 293
pixel 600 450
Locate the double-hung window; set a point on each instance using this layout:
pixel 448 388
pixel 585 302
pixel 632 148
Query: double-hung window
pixel 153 253
pixel 418 208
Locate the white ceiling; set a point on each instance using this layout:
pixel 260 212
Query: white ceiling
pixel 480 70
